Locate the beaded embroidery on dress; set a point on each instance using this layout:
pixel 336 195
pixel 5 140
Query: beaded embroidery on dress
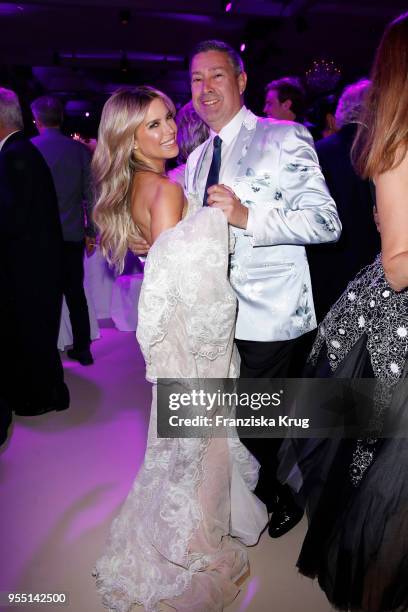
pixel 357 491
pixel 173 539
pixel 368 306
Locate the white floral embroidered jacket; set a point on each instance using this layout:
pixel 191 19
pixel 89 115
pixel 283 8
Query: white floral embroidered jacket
pixel 275 172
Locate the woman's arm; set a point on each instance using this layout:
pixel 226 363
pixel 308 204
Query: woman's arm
pixel 392 205
pixel 167 208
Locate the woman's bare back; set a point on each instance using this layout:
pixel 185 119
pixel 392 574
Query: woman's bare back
pixel 156 204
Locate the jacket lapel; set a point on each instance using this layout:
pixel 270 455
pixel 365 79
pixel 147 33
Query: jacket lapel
pixel 236 165
pixel 198 165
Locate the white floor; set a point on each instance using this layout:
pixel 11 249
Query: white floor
pixel 64 475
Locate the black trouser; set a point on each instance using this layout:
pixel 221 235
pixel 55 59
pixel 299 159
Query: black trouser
pixel 31 374
pixel 73 288
pixel 280 359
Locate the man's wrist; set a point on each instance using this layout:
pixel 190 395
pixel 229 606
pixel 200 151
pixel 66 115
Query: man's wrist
pixel 244 217
pixel 249 224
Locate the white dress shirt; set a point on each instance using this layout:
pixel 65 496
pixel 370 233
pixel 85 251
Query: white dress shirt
pixel 228 135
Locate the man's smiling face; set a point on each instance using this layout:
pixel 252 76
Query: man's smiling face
pixel 216 88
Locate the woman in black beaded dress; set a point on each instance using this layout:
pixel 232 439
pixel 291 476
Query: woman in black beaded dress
pixel 357 540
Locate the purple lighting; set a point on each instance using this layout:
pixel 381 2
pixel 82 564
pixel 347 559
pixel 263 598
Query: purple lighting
pixel 242 47
pixel 253 587
pixel 87 114
pixel 8 8
pixel 228 7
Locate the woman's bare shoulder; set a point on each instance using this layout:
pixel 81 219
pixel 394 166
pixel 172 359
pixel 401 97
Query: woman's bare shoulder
pixel 398 172
pixel 170 186
pixel 168 192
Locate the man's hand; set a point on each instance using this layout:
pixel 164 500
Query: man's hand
pixel 138 245
pixel 221 196
pixel 90 245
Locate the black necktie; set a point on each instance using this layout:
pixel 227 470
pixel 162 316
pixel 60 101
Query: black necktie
pixel 214 173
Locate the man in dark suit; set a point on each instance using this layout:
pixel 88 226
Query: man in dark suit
pixel 333 266
pixel 30 273
pixel 69 162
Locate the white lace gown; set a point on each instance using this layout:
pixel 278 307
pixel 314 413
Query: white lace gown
pixel 180 533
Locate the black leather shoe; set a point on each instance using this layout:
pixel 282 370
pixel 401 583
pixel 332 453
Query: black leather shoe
pixel 271 502
pixel 284 518
pixel 84 357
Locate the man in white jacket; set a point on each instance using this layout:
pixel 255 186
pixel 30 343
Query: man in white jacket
pixel 265 176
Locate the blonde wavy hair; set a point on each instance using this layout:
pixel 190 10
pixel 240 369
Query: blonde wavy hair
pixel 382 137
pixel 114 165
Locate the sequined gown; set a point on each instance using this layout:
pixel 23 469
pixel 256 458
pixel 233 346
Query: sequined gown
pixel 357 490
pixel 180 534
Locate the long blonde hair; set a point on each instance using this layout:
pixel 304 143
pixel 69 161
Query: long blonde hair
pixel 382 137
pixel 114 165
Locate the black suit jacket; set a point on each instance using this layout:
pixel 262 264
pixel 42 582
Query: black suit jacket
pixel 30 273
pixel 333 266
pixel 28 202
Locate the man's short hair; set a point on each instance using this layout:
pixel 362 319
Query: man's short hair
pixel 290 88
pixel 218 45
pixel 48 110
pixel 10 110
pixel 351 102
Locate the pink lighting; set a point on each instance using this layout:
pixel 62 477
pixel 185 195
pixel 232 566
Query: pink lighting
pixel 87 114
pixel 228 7
pixel 242 47
pixel 253 587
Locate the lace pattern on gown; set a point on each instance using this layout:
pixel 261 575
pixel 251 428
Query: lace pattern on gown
pixel 187 270
pixel 162 545
pixel 368 306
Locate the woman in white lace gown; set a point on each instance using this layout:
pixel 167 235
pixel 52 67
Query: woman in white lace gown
pixel 178 535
